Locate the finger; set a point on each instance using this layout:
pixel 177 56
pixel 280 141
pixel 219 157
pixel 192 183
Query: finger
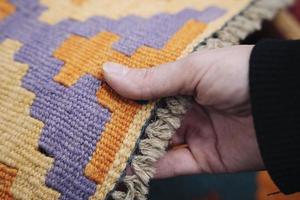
pixel 143 84
pixel 176 162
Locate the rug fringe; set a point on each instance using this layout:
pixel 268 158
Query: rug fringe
pixel 159 132
pixel 247 22
pixel 151 148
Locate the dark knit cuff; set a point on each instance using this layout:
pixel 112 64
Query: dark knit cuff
pixel 275 98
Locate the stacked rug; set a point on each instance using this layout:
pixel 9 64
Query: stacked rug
pixel 64 133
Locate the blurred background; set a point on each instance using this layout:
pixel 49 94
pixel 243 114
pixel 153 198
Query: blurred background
pixel 243 186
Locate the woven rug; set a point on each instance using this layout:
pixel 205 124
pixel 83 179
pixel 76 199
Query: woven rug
pixel 64 134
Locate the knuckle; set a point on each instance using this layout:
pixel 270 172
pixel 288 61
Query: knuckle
pixel 146 88
pixel 191 61
pixel 203 97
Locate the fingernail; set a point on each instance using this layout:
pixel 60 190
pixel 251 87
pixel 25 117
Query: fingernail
pixel 114 68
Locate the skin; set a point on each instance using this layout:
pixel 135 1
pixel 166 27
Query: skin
pixel 218 129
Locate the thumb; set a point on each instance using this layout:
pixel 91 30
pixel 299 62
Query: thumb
pixel 149 83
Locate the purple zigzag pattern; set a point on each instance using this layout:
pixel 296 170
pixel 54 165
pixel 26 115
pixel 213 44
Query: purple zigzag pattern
pixel 156 31
pixel 153 32
pixel 72 116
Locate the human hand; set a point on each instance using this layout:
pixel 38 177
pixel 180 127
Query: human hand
pixel 218 129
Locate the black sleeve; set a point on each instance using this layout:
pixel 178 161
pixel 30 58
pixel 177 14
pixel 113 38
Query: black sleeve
pixel 275 98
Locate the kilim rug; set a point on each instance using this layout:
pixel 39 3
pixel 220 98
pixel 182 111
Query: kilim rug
pixel 64 134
